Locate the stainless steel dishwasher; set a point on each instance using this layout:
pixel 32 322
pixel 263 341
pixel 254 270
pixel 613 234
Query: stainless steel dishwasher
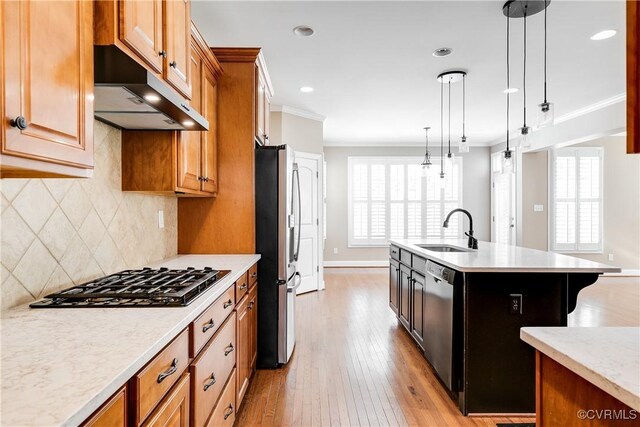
pixel 438 320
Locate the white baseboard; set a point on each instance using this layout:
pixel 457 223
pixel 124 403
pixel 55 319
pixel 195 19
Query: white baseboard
pixel 383 263
pixel 624 273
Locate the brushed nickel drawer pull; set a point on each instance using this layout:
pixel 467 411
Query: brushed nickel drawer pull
pixel 243 286
pixel 254 275
pixel 227 304
pixel 251 305
pixel 228 350
pixel 210 324
pixel 228 412
pixel 212 381
pixel 172 370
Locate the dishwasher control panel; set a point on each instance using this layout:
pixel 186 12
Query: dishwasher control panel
pixel 441 272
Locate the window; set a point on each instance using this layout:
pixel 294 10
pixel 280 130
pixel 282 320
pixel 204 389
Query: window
pixel 390 197
pixel 576 199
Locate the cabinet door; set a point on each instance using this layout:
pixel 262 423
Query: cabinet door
pixel 47 81
pixel 253 328
pixel 260 98
pixel 417 305
pixel 405 297
pixel 243 339
pixel 394 272
pixel 174 408
pixel 210 137
pixel 141 30
pixel 112 414
pixel 177 30
pixel 189 142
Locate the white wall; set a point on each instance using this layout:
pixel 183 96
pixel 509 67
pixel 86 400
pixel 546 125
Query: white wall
pixel 476 197
pixel 301 133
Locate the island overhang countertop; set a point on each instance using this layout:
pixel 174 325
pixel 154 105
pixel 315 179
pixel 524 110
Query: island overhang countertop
pixel 496 257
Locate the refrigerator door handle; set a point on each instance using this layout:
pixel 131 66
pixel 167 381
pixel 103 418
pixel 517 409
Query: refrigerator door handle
pixel 296 283
pixel 299 212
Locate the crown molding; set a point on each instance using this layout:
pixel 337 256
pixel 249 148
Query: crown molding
pixel 298 112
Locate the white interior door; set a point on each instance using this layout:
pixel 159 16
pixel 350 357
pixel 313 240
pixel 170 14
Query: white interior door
pixel 309 166
pixel 503 213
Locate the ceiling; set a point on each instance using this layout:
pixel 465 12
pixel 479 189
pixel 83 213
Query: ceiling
pixel 374 76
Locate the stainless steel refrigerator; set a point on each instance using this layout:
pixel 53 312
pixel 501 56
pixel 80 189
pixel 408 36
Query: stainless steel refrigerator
pixel 278 241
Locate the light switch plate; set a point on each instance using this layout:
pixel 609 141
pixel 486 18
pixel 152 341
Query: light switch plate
pixel 160 219
pixel 538 208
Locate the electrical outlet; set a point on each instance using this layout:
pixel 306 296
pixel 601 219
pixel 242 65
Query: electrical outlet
pixel 610 257
pixel 160 219
pixel 335 250
pixel 538 208
pixel 515 304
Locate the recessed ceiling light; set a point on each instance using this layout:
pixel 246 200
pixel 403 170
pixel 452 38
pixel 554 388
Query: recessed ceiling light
pixel 306 89
pixel 604 35
pixel 303 31
pixel 188 123
pixel 443 51
pixel 152 98
pixel 511 90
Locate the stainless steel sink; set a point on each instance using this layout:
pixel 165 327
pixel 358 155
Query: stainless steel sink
pixel 443 248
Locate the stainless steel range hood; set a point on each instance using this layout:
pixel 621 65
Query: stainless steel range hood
pixel 128 96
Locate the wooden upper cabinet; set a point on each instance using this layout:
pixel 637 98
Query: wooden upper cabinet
pixel 47 88
pixel 633 76
pixel 141 25
pixel 189 145
pixel 210 138
pixel 177 28
pixel 262 102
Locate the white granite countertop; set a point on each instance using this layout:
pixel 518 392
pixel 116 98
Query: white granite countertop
pixel 60 365
pixel 607 357
pixel 492 257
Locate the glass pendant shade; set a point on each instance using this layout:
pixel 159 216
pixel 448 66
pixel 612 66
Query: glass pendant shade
pixel 443 180
pixel 524 141
pixel 507 162
pixel 463 146
pixel 545 114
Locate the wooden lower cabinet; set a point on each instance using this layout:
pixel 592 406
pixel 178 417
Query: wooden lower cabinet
pixel 211 370
pixel 111 414
pixel 225 412
pixel 564 398
pixel 405 297
pixel 243 367
pixel 417 308
pixel 253 321
pixel 174 408
pixel 394 279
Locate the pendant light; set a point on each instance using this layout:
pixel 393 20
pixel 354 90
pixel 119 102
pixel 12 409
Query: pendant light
pixel 449 153
pixel 507 160
pixel 448 77
pixel 524 141
pixel 427 155
pixel 463 146
pixel 545 110
pixel 442 181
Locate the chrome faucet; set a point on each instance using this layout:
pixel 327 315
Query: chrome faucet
pixel 473 242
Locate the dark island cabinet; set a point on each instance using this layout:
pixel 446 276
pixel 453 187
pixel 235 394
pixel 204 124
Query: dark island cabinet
pixel 394 281
pixel 418 305
pixel 404 311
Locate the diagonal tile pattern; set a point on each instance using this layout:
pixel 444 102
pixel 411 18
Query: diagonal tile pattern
pixel 55 233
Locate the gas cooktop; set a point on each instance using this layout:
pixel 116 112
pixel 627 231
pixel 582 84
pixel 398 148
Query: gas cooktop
pixel 147 287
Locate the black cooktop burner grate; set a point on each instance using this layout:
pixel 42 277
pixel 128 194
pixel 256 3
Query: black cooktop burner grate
pixel 148 287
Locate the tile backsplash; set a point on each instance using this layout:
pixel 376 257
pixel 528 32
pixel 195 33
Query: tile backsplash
pixel 59 232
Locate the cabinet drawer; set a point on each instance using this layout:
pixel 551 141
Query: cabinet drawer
pixel 206 325
pixel 112 414
pixel 225 412
pixel 405 257
pixel 211 370
pixel 242 286
pixel 253 275
pixel 153 382
pixel 419 264
pixel 394 252
pixel 174 409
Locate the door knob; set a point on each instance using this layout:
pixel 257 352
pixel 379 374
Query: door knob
pixel 19 122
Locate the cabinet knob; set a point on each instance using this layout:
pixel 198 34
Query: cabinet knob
pixel 173 64
pixel 19 122
pixel 162 53
pixel 206 179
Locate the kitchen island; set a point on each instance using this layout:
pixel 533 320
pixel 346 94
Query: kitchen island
pixel 464 308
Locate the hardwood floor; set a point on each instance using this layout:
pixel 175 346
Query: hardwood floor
pixel 353 365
